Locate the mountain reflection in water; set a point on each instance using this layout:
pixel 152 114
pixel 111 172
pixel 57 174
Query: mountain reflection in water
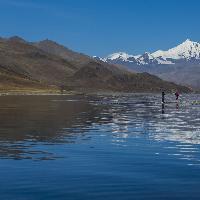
pixel 30 124
pixel 118 147
pixel 29 121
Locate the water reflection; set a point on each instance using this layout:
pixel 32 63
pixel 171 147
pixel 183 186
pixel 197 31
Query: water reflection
pixel 29 122
pixel 177 123
pixel 163 108
pixel 29 125
pixel 180 125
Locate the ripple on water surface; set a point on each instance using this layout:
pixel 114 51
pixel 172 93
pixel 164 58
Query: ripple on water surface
pixel 99 147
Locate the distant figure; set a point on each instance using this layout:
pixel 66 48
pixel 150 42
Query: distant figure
pixel 163 97
pixel 177 95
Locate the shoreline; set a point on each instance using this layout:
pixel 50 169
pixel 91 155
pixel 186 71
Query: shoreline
pixel 36 93
pixel 66 93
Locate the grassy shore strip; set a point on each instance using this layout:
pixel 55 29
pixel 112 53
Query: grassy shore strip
pixel 37 92
pixel 57 91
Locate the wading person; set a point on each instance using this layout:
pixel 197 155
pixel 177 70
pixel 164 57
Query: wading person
pixel 163 97
pixel 177 95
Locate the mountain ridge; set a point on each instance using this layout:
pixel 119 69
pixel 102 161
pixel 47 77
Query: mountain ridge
pixel 186 50
pixel 185 58
pixel 47 64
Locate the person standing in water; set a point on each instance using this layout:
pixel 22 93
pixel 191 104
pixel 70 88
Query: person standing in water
pixel 177 95
pixel 163 97
pixel 163 102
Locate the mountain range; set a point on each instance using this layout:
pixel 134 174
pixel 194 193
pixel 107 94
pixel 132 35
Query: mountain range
pixel 180 64
pixel 47 65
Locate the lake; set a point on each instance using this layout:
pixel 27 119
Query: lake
pixel 111 147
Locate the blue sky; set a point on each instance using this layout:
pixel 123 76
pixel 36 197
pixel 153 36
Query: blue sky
pixel 101 27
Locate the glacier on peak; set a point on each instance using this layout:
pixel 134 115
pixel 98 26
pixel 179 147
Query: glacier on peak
pixel 118 55
pixel 186 50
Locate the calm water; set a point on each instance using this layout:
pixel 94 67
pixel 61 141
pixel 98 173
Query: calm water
pixel 101 147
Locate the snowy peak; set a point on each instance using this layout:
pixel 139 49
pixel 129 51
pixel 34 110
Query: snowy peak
pixel 186 50
pixel 99 58
pixel 146 58
pixel 120 55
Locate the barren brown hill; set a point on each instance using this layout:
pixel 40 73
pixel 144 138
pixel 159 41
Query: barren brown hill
pixel 54 48
pixel 21 59
pixel 90 76
pixel 47 64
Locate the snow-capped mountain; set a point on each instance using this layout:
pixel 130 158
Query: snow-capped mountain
pixel 121 56
pixel 180 64
pixel 149 59
pixel 188 51
pixel 99 58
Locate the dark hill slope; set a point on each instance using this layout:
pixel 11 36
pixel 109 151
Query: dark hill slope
pixel 56 49
pixel 95 76
pixel 21 58
pixel 47 63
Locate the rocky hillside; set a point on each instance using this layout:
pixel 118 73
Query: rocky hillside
pixel 47 64
pixel 180 64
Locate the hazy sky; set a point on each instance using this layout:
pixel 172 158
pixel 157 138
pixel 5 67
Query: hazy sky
pixel 101 27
